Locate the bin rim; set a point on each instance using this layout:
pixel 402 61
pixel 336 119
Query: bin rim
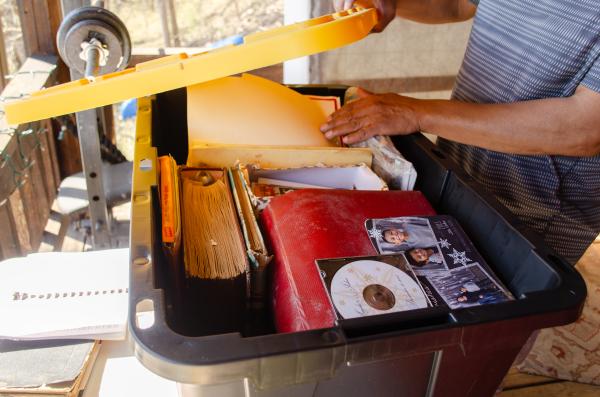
pixel 191 361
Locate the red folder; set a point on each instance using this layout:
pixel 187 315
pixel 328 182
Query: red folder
pixel 306 225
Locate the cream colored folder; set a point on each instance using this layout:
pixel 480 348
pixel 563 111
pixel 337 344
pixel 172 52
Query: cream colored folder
pixel 251 110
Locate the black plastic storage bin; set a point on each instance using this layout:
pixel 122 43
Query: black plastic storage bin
pixel 430 352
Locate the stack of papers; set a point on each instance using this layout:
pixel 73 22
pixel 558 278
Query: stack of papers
pixel 60 295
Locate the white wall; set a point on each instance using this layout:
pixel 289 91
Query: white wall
pixel 407 57
pixel 296 71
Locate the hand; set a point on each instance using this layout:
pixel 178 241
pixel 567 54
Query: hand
pixel 373 114
pixel 385 8
pixel 341 5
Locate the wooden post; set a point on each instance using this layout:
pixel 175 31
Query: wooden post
pixel 3 62
pixel 173 20
pixel 28 206
pixel 161 5
pixel 39 21
pixel 9 246
pixel 28 177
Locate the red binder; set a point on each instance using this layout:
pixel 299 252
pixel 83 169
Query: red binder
pixel 306 225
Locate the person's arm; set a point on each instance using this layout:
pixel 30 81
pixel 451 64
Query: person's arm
pixel 561 126
pixel 425 11
pixel 435 11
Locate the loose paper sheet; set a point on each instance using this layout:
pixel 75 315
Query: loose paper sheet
pixel 351 178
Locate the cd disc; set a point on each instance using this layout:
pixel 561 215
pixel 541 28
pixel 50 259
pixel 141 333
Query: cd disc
pixel 379 297
pixel 368 287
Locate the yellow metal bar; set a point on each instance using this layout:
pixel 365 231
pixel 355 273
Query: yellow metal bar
pixel 176 71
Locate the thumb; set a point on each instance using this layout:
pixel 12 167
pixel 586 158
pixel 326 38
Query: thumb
pixel 348 4
pixel 362 93
pixel 355 93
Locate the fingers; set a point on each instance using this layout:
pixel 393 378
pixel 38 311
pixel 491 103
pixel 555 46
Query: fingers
pixel 357 108
pixel 343 126
pixel 385 8
pixel 340 5
pixel 353 132
pixel 347 119
pixel 371 115
pixel 387 12
pixel 349 115
pixel 358 136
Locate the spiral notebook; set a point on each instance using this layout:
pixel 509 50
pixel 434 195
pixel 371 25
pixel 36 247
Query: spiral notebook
pixel 62 295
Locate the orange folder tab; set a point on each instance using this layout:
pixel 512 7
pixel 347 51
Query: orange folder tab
pixel 169 199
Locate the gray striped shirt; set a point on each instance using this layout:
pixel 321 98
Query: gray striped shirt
pixel 532 49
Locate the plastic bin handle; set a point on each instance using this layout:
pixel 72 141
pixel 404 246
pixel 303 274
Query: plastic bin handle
pixel 258 50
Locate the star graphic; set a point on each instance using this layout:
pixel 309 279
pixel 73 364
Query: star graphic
pixel 459 257
pixel 444 243
pixel 375 233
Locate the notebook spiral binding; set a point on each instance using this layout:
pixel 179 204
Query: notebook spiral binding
pixel 23 296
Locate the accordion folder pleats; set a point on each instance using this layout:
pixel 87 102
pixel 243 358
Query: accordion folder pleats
pixel 306 225
pixel 216 265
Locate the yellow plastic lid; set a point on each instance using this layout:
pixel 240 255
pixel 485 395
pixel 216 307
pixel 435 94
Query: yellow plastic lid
pixel 258 50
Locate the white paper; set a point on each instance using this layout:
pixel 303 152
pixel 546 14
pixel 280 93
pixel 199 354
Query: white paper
pixel 351 178
pixel 388 163
pixel 286 183
pixel 65 295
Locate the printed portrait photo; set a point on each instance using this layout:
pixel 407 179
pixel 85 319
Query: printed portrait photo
pixel 393 235
pixel 426 259
pixel 467 286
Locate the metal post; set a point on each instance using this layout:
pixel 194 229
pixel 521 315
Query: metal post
pixel 92 56
pixel 89 41
pixel 435 371
pixel 89 146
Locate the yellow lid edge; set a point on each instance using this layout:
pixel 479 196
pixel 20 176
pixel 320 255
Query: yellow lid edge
pixel 177 71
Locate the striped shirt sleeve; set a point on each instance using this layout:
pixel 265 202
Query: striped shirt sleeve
pixel 592 78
